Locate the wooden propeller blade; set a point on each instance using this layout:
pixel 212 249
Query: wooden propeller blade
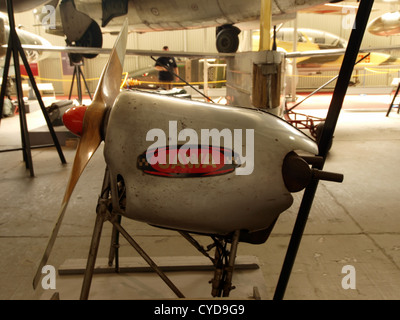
pixel 106 92
pixel 88 144
pixel 110 83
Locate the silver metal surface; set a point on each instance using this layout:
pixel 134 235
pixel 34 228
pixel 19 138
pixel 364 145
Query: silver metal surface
pixel 157 15
pixel 240 74
pixel 225 202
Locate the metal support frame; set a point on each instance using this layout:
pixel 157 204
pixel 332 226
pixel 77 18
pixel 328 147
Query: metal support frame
pixel 339 93
pixel 15 51
pixel 223 265
pixel 103 214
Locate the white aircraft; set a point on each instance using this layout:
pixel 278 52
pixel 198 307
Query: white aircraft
pixel 80 20
pixel 26 38
pixel 317 40
pixel 387 24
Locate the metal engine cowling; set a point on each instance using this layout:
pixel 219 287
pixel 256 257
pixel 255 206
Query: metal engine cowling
pixel 202 202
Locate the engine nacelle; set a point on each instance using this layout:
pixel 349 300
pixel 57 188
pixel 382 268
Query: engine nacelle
pixel 199 167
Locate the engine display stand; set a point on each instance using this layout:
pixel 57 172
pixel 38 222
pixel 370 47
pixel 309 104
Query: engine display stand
pixel 137 281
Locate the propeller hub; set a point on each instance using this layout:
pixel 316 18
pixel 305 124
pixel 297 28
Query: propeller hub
pixel 73 119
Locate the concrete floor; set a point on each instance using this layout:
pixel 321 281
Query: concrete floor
pixel 354 223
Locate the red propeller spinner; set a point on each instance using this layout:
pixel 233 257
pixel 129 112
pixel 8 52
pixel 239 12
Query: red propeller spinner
pixel 73 119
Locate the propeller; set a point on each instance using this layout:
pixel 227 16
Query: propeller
pixel 88 123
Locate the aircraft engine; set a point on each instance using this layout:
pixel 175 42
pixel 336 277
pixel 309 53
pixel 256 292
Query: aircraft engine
pixel 167 165
pixel 159 149
pixel 178 160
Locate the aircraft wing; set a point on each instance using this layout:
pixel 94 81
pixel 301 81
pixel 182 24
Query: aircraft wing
pixel 87 50
pixel 290 55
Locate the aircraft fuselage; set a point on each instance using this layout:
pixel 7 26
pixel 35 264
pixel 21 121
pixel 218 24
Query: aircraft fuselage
pixel 158 15
pixel 81 20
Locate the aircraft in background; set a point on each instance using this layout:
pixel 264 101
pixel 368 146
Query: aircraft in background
pixel 80 20
pixel 22 5
pixel 314 40
pixel 387 24
pixel 26 38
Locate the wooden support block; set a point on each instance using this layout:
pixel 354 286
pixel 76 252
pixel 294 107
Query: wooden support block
pixel 266 85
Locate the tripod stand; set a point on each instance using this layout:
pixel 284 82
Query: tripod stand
pixel 15 49
pixel 77 75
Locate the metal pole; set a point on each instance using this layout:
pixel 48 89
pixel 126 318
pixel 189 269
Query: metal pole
pixel 96 237
pixel 72 84
pixel 294 62
pixel 339 93
pixel 86 85
pixel 205 76
pixel 94 248
pixel 14 42
pixel 78 83
pixel 394 98
pixel 5 76
pixel 231 265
